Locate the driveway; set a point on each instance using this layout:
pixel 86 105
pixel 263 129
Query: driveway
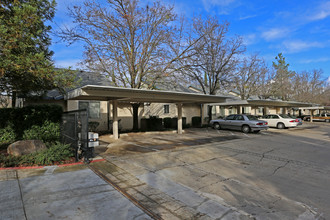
pixel 277 174
pixel 203 174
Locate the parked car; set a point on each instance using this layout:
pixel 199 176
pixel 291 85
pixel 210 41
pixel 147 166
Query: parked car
pixel 244 123
pixel 306 117
pixel 299 120
pixel 280 121
pixel 320 117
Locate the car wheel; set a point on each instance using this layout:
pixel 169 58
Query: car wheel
pixel 257 131
pixel 280 126
pixel 216 126
pixel 328 120
pixel 246 129
pixel 308 119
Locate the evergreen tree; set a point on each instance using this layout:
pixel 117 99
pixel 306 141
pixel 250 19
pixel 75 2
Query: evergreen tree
pixel 282 85
pixel 25 59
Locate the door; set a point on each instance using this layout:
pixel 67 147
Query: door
pixel 273 120
pixel 237 123
pixel 228 121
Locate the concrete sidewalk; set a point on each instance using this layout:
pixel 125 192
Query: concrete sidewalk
pixel 76 192
pixel 62 193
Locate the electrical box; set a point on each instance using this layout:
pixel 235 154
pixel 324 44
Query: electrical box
pixel 93 139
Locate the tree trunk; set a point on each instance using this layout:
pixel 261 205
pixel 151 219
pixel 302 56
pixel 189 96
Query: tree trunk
pixel 135 116
pixel 13 99
pixel 210 112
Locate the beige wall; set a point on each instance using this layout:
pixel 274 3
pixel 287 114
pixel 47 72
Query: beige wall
pixel 250 110
pixel 103 120
pixel 125 112
pixel 157 109
pixel 5 101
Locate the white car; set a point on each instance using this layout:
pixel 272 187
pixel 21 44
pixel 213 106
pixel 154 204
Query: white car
pixel 280 121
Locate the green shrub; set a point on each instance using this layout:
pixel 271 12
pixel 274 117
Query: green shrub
pixel 9 161
pixel 24 118
pixel 7 135
pixel 56 152
pixel 48 132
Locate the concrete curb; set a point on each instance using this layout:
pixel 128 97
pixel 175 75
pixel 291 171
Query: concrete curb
pixel 39 167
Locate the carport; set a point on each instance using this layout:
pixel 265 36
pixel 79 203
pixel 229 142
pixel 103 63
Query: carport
pixel 315 108
pixel 264 103
pixel 128 95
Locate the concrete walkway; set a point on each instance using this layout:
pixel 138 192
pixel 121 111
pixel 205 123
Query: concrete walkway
pixel 62 193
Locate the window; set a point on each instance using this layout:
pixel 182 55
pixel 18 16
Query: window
pixel 260 109
pixel 239 117
pixel 246 110
pixel 93 108
pixel 230 117
pixel 252 118
pixel 166 109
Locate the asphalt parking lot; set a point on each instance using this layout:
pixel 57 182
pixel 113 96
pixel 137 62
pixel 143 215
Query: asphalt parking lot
pixel 277 174
pixel 203 174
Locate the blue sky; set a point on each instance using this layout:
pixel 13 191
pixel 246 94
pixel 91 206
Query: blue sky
pixel 299 29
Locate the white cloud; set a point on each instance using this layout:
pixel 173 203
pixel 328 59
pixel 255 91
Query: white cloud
pixel 74 63
pixel 224 6
pixel 322 12
pixel 247 17
pixel 316 60
pixel 275 33
pixel 297 46
pixel 249 39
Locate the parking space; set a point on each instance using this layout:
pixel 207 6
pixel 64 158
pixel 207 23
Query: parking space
pixel 276 174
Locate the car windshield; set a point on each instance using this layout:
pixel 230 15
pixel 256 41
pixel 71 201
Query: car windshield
pixel 252 117
pixel 285 116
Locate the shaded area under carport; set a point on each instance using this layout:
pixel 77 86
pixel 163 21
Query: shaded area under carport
pixel 265 103
pixel 117 94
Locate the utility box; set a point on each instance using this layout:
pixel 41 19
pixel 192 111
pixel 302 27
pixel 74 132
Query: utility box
pixel 93 139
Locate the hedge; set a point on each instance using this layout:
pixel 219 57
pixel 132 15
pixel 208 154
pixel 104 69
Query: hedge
pixel 24 118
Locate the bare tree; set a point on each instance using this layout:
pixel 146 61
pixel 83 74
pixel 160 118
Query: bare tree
pixel 251 72
pixel 132 44
pixel 265 85
pixel 214 58
pixel 309 86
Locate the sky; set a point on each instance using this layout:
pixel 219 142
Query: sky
pixel 299 29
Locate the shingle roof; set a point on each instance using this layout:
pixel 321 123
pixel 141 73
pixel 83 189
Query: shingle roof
pixel 84 78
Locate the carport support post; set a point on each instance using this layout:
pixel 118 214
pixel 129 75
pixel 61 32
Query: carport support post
pixel 312 114
pixel 285 111
pixel 115 119
pixel 179 106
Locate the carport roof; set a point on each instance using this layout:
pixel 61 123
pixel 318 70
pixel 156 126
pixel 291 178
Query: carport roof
pixel 317 108
pixel 105 93
pixel 264 102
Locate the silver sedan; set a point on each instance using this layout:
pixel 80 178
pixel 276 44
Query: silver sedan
pixel 245 123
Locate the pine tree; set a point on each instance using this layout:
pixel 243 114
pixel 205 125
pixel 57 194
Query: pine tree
pixel 25 58
pixel 282 86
